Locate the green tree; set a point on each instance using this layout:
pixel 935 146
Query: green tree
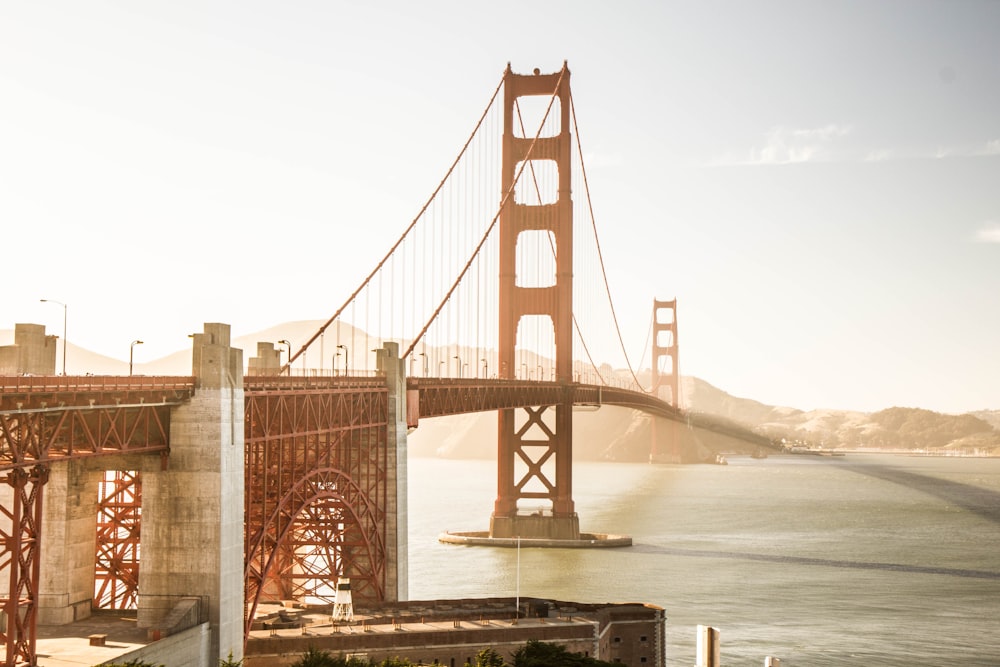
pixel 543 654
pixel 487 658
pixel 229 662
pixel 314 657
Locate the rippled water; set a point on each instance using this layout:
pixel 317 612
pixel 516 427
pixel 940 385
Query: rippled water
pixel 861 560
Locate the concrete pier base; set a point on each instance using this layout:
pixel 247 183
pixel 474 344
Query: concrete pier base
pixel 584 541
pixel 540 526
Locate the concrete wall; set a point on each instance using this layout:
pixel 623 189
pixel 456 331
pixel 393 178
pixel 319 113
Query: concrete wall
pixel 190 648
pixel 192 535
pixel 32 353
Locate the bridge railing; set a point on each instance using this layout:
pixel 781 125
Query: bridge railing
pixel 64 383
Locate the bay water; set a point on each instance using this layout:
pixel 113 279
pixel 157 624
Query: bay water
pixel 858 560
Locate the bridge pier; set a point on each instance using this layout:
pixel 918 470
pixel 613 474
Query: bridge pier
pixel 192 514
pixel 66 586
pixel 397 521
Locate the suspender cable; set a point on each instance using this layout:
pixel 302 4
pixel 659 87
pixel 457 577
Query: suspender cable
pixel 482 241
pixel 600 257
pixel 402 237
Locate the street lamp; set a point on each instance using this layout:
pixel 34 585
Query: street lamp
pixel 344 348
pixel 64 329
pixel 131 348
pixel 424 355
pixel 486 371
pixel 458 365
pixel 289 346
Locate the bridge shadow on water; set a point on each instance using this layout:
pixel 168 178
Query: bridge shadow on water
pixel 823 562
pixel 984 503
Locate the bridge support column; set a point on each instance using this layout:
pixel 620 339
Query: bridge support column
pixel 397 521
pixel 69 538
pixel 192 513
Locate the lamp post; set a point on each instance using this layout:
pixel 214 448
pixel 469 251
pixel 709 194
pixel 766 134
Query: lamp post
pixel 64 329
pixel 458 365
pixel 289 346
pixel 344 348
pixel 440 365
pixel 131 349
pixel 424 355
pixel 486 370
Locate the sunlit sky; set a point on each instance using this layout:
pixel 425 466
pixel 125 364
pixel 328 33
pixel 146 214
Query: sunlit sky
pixel 817 183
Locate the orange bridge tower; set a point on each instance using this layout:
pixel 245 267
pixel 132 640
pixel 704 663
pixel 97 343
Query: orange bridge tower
pixel 535 444
pixel 665 381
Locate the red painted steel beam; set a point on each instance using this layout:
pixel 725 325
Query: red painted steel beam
pixel 442 397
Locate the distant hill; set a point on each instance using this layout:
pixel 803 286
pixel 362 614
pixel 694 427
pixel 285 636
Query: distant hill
pixel 624 435
pixel 892 428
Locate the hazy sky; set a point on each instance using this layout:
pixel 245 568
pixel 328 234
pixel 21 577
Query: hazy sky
pixel 817 183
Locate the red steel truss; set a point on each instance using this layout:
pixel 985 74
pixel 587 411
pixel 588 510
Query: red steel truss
pixel 21 534
pixel 116 573
pixel 316 488
pixel 45 419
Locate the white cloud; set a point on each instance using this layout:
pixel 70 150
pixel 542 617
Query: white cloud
pixel 880 155
pixel 789 145
pixel 989 233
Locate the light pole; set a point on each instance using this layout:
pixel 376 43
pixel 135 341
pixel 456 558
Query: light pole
pixel 289 346
pixel 424 355
pixel 64 329
pixel 486 371
pixel 440 365
pixel 458 365
pixel 131 349
pixel 344 348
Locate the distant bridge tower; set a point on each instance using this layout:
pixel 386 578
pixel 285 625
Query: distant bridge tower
pixel 538 448
pixel 665 446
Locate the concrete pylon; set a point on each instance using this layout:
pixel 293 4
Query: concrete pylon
pixel 392 367
pixel 192 512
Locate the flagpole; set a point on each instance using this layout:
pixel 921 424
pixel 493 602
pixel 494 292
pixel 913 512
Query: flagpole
pixel 517 599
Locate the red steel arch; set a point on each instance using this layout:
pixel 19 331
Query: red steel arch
pixel 317 487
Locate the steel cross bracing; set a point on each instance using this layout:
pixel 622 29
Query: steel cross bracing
pixel 116 571
pixel 316 488
pixel 21 534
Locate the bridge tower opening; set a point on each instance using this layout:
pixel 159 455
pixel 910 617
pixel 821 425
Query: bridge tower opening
pixel 534 479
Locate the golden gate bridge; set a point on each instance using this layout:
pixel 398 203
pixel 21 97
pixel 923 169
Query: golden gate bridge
pixel 494 298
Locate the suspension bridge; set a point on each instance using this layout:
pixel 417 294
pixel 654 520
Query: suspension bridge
pixel 206 495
